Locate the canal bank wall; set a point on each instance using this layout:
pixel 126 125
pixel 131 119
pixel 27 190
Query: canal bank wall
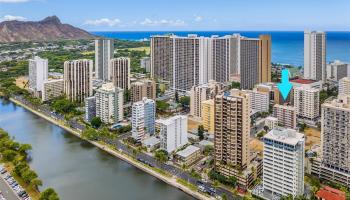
pixel 169 180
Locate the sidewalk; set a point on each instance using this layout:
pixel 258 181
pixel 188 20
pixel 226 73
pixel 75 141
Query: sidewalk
pixel 171 181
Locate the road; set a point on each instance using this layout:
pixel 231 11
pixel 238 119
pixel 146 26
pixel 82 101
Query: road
pixel 179 173
pixel 7 192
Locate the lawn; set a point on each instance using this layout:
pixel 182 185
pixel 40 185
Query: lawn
pixel 146 49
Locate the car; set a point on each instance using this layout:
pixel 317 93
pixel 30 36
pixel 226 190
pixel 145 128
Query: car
pixel 8 177
pixel 3 171
pixel 14 184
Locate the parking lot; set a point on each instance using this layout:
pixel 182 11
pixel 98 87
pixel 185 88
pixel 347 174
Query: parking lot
pixel 10 189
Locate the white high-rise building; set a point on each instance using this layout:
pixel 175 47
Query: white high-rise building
pixel 337 70
pixel 104 52
pixel 90 108
pixel 307 102
pixel 335 140
pixel 120 72
pixel 173 133
pixel 283 162
pixel 143 118
pixel 259 101
pixel 202 93
pixel 145 63
pixel 38 73
pixel 344 86
pixel 77 79
pixel 109 103
pixel 315 55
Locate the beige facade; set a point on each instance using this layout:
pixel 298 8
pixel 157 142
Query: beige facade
pixel 51 89
pixel 231 137
pixel 120 72
pixel 264 58
pixel 141 89
pixel 109 103
pixel 77 79
pixel 286 115
pixel 208 115
pixel 179 60
pixel 201 93
pixel 335 134
pixel 307 103
pixel 344 86
pixel 188 156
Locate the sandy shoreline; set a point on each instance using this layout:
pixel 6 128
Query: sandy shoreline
pixel 169 180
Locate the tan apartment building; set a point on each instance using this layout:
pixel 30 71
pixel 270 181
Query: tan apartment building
pixel 231 137
pixel 141 89
pixel 286 115
pixel 180 60
pixel 208 115
pixel 201 93
pixel 264 58
pixel 51 89
pixel 189 61
pixel 120 72
pixel 77 79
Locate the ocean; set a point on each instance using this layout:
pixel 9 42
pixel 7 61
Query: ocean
pixel 287 46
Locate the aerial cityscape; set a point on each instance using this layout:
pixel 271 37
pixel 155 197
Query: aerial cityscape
pixel 156 100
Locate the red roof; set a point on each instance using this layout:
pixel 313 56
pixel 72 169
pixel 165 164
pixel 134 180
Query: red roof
pixel 329 193
pixel 302 81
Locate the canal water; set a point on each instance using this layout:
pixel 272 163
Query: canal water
pixel 76 169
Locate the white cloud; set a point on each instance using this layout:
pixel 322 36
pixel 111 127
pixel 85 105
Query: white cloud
pixel 198 18
pixel 103 21
pixel 162 22
pixel 13 1
pixel 12 18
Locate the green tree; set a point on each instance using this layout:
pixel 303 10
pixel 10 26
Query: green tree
pixel 24 148
pixel 201 132
pixel 96 122
pixel 261 134
pixel 161 156
pixel 49 194
pixel 90 134
pixel 162 106
pixel 126 95
pixel 208 150
pixel 176 97
pixel 185 101
pixel 35 183
pixel 9 155
pixel 28 175
pixel 235 85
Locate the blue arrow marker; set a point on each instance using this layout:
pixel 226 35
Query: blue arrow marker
pixel 285 86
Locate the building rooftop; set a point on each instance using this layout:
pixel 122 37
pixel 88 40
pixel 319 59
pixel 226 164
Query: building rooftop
pixel 271 118
pixel 206 143
pixel 170 120
pixel 151 141
pixel 329 193
pixel 302 81
pixel 192 136
pixel 286 136
pixel 188 151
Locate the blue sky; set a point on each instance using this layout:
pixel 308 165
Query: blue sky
pixel 143 15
